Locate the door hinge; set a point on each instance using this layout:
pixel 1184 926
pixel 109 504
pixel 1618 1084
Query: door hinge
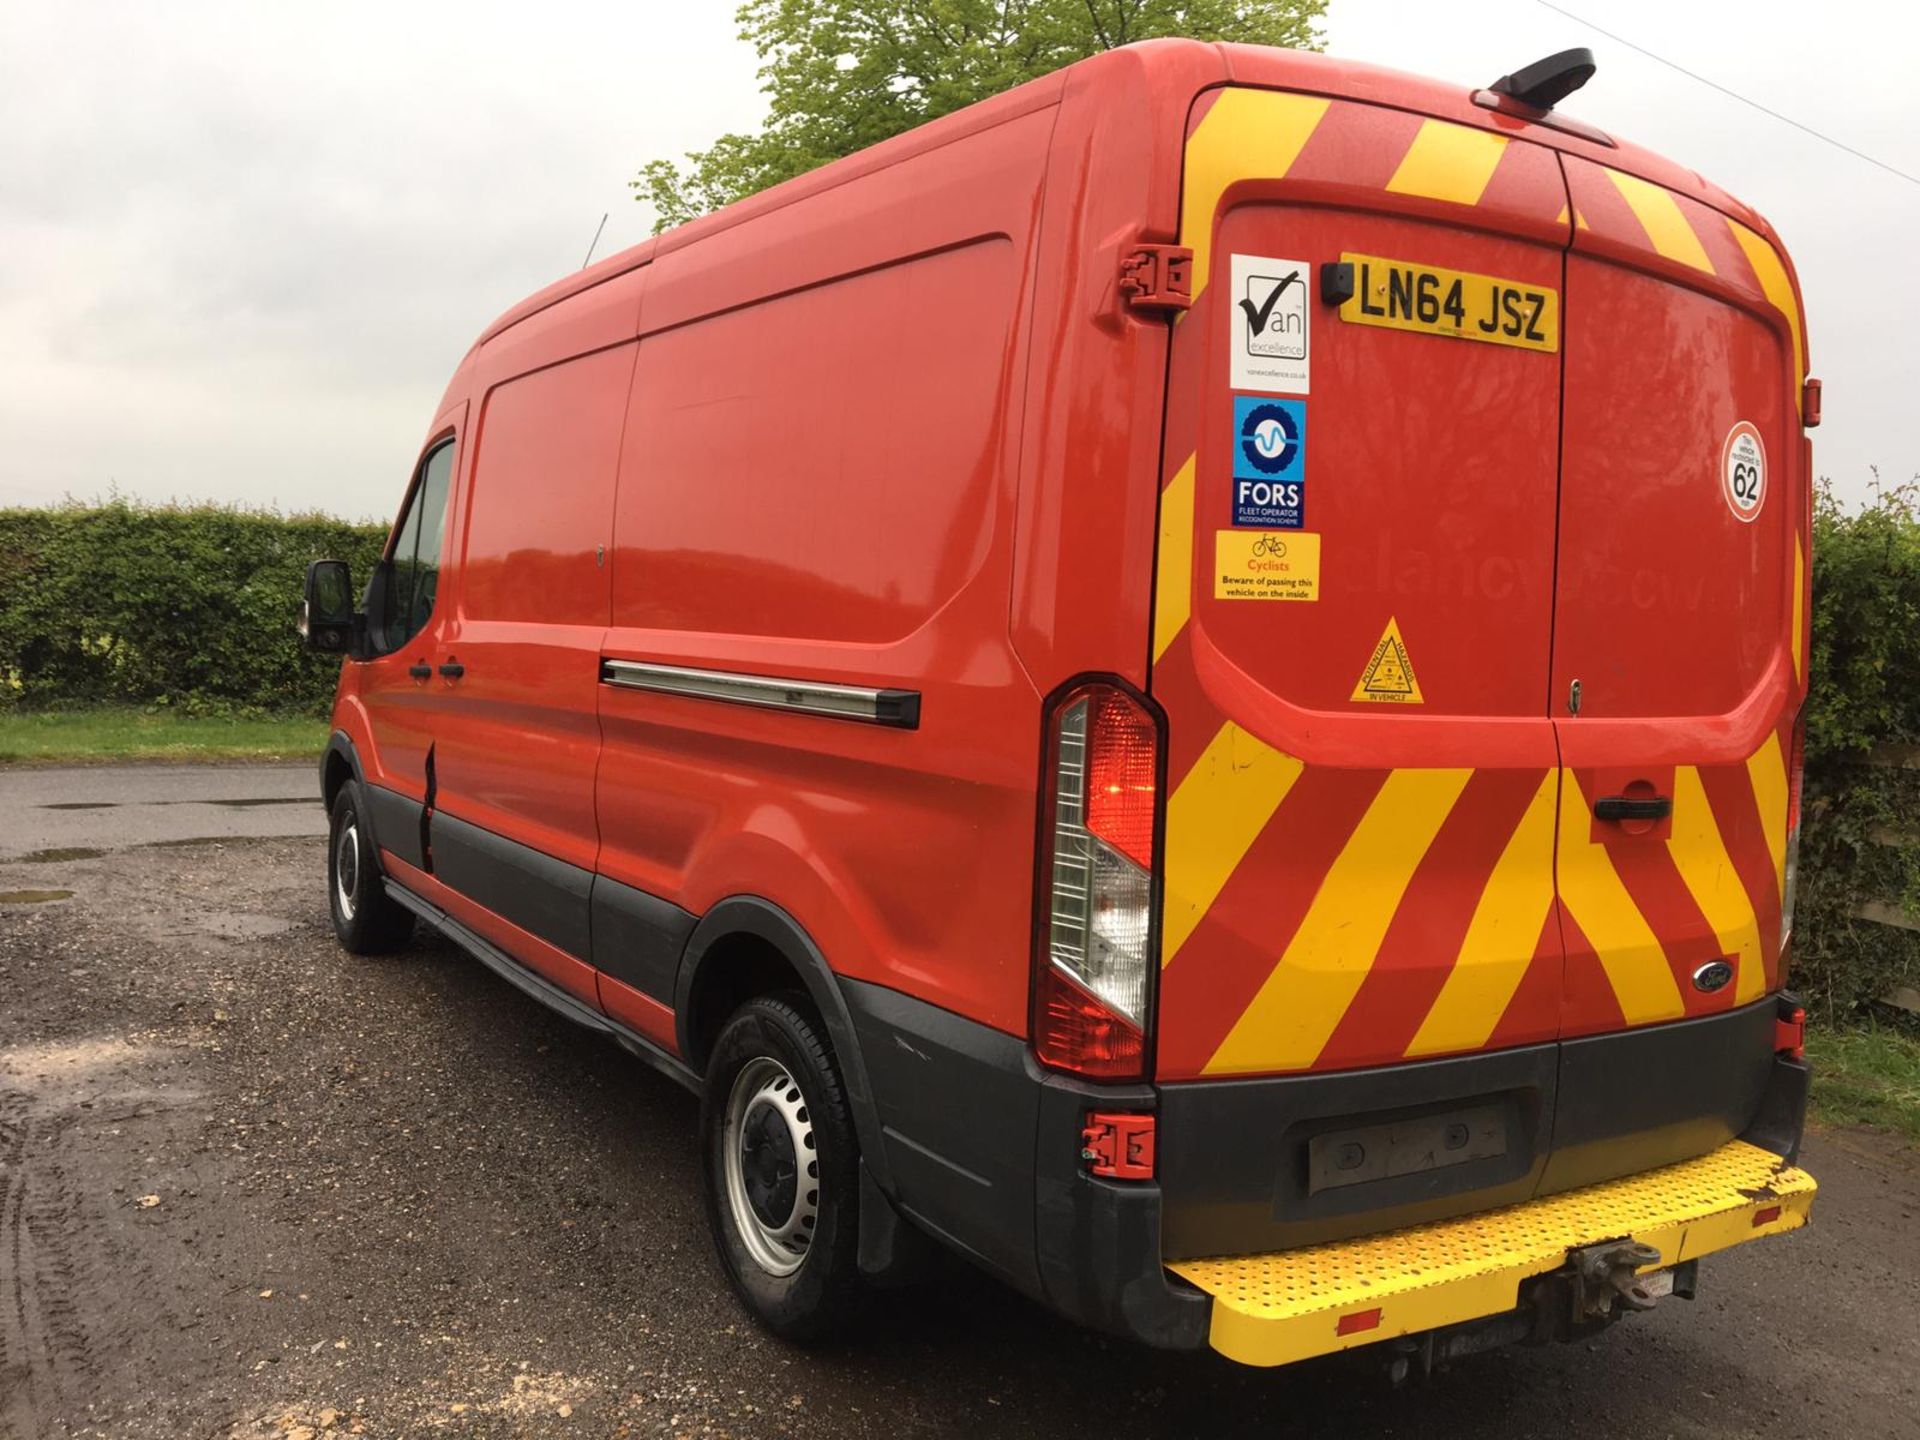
pixel 1118 1146
pixel 1157 277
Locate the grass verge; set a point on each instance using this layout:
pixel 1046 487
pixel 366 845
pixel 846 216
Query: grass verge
pixel 124 733
pixel 1866 1077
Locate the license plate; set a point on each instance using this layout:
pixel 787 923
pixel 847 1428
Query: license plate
pixel 1406 295
pixel 1656 1284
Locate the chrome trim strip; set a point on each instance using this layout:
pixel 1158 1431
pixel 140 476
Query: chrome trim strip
pixel 898 708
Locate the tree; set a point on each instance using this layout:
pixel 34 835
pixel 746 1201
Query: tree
pixel 843 74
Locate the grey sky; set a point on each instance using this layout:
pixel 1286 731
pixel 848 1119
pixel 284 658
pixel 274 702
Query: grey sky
pixel 242 246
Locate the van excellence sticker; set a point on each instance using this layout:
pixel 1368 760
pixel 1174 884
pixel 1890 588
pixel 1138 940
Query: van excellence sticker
pixel 1266 565
pixel 1267 324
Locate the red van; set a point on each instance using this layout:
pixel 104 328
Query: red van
pixel 1186 681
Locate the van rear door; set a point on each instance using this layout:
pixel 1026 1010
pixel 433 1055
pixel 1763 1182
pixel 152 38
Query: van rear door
pixel 1355 591
pixel 1679 651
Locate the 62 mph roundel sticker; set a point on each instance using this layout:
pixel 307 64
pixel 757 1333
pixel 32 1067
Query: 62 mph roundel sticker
pixel 1743 472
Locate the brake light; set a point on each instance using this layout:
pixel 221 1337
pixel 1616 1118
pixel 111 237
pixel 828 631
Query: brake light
pixel 1789 1027
pixel 1093 971
pixel 1790 871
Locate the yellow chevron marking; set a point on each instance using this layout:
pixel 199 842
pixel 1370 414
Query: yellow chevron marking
pixel 1701 857
pixel 1579 220
pixel 1247 133
pixel 1215 814
pixel 1799 607
pixel 1448 162
pixel 1173 581
pixel 1661 217
pixel 1767 769
pixel 1628 949
pixel 1772 274
pixel 1287 1025
pixel 1501 936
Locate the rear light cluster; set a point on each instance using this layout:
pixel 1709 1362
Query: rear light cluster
pixel 1789 1027
pixel 1093 975
pixel 1790 877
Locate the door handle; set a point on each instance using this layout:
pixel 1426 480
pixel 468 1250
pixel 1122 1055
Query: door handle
pixel 452 670
pixel 420 672
pixel 1621 807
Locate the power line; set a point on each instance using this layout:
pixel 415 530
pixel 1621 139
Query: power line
pixel 1731 94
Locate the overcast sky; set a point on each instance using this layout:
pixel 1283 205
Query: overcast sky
pixel 243 245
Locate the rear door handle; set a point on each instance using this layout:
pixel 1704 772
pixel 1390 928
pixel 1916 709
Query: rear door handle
pixel 1621 807
pixel 420 672
pixel 452 671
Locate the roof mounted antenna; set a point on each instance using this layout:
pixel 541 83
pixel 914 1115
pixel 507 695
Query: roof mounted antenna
pixel 1545 83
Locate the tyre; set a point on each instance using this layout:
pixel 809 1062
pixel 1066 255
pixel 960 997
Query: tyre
pixel 780 1164
pixel 365 919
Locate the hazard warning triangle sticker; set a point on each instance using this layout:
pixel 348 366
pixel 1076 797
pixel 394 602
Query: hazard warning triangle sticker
pixel 1388 678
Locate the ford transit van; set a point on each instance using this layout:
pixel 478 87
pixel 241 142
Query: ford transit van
pixel 1185 682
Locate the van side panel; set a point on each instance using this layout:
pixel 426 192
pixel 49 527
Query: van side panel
pixel 817 487
pixel 1089 478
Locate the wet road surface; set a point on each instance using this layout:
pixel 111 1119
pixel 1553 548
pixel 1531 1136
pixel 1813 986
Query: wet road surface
pixel 109 806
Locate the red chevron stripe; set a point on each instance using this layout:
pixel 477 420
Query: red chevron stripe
pixel 1420 945
pixel 1213 979
pixel 1533 1014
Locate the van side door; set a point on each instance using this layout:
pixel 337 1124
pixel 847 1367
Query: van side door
pixel 514 828
pixel 396 685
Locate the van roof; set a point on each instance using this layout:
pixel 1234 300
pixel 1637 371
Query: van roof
pixel 1164 73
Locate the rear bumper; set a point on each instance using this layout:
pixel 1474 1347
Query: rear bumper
pixel 983 1153
pixel 1293 1305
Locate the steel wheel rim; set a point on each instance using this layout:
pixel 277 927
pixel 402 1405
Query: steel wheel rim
pixel 346 868
pixel 772 1167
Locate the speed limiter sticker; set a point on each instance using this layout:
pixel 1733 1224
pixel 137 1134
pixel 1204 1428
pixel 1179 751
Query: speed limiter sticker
pixel 1743 472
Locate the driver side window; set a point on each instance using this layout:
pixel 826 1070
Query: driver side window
pixel 416 552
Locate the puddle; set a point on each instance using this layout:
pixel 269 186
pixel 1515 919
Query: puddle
pixel 56 855
pixel 33 897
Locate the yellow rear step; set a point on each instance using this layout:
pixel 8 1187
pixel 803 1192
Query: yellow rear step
pixel 1273 1309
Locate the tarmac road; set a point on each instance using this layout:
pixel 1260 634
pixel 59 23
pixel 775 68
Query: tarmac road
pixel 253 1186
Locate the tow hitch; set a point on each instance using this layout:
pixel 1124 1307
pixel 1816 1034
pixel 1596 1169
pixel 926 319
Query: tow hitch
pixel 1607 1276
pixel 1596 1286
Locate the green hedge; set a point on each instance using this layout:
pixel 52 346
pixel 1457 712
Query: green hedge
pixel 181 606
pixel 1860 831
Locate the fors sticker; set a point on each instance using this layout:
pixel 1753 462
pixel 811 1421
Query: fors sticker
pixel 1269 462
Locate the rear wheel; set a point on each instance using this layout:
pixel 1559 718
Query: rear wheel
pixel 365 919
pixel 780 1164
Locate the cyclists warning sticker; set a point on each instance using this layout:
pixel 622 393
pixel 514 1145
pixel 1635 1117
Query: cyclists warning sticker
pixel 1266 565
pixel 1388 678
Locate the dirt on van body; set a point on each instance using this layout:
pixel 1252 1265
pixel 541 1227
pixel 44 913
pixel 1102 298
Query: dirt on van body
pixel 252 1186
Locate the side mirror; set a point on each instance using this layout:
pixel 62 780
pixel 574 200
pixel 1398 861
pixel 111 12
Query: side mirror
pixel 326 614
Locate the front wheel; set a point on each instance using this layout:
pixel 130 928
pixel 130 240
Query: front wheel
pixel 781 1172
pixel 365 919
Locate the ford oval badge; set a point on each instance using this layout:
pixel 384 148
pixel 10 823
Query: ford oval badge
pixel 1712 976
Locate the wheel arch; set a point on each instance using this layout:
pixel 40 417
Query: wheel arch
pixel 746 945
pixel 339 767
